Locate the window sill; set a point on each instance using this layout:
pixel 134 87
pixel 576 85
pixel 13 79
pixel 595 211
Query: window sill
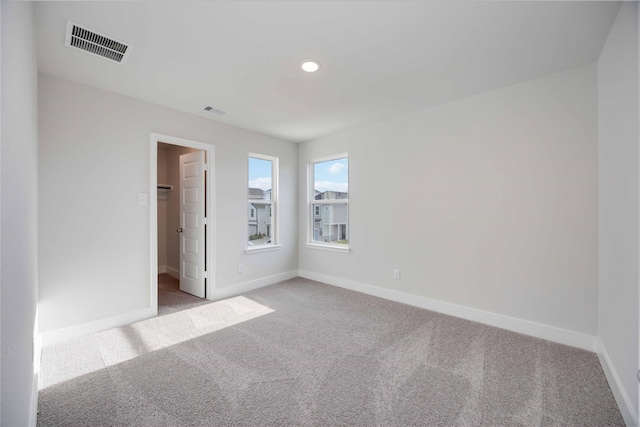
pixel 265 248
pixel 330 248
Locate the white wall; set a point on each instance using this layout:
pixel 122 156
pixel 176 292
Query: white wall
pixel 19 178
pixel 94 237
pixel 618 199
pixel 489 202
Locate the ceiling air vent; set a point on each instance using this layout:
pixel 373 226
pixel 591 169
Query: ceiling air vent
pixel 96 43
pixel 210 109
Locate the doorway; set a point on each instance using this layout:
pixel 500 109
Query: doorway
pixel 182 243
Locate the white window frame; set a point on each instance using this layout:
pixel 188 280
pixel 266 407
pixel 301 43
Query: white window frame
pixel 275 217
pixel 334 247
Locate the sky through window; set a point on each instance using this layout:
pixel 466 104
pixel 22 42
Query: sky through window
pixel 259 173
pixel 332 175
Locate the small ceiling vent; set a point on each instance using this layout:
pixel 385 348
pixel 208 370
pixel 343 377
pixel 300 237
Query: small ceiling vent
pixel 96 43
pixel 210 109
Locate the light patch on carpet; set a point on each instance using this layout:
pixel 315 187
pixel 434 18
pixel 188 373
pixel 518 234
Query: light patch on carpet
pixel 92 353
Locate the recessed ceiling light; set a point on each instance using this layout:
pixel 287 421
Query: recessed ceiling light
pixel 310 65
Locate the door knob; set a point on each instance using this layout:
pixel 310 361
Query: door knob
pixel 180 230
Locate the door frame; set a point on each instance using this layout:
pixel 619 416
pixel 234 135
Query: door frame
pixel 210 247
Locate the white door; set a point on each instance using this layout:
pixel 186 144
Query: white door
pixel 192 223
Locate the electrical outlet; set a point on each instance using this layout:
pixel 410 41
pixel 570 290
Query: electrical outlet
pixel 396 274
pixel 240 268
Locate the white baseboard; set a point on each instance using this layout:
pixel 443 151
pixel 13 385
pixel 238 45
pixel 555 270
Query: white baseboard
pixel 233 290
pixel 619 393
pixel 172 272
pixel 162 269
pixel 33 410
pixel 37 355
pixel 538 330
pixel 63 334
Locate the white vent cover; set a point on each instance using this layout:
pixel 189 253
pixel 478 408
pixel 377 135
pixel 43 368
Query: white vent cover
pixel 210 109
pixel 96 43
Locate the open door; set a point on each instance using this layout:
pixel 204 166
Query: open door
pixel 192 223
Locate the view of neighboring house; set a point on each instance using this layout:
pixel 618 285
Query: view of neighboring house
pixel 330 219
pixel 259 213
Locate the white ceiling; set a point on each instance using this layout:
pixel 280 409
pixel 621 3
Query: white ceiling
pixel 379 58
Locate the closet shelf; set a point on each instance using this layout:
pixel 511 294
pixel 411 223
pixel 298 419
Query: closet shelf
pixel 163 191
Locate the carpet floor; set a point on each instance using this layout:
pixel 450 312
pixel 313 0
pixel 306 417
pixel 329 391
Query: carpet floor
pixel 308 354
pixel 171 299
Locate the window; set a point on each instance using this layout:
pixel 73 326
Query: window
pixel 262 198
pixel 329 203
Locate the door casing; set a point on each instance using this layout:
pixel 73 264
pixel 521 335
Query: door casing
pixel 209 149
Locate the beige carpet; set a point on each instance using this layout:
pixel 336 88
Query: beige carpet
pixel 304 353
pixel 171 299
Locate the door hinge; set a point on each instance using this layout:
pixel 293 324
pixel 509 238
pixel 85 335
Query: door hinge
pixel 204 275
pixel 205 166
